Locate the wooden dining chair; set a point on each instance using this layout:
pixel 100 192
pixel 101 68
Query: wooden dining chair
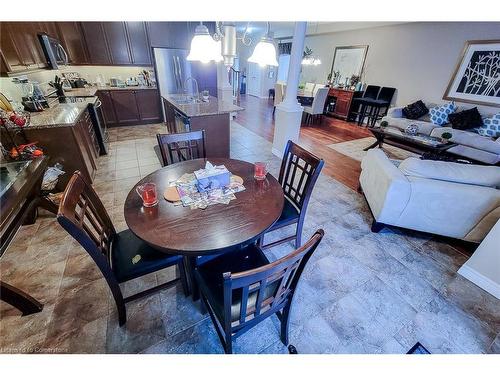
pixel 298 174
pixel 241 288
pixel 178 147
pixel 120 256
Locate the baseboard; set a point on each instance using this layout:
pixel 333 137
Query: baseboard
pixel 481 281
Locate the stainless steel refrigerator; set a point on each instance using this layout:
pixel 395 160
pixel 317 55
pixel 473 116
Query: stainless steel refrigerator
pixel 172 70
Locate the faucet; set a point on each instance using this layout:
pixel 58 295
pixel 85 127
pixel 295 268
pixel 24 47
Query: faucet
pixel 197 97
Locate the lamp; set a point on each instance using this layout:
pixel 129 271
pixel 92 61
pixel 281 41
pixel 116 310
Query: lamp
pixel 265 51
pixel 203 47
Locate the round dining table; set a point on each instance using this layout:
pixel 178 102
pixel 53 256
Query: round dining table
pixel 175 229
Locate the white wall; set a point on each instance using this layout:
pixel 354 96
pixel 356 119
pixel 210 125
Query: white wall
pixel 416 58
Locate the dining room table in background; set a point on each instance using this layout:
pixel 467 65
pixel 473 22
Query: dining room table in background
pixel 175 229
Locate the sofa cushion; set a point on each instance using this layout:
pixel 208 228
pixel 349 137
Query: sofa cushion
pixel 490 127
pixel 453 172
pixel 439 115
pixel 424 127
pixel 468 138
pixel 415 110
pixel 468 119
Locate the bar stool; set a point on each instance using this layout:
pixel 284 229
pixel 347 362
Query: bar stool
pixel 371 92
pixel 382 103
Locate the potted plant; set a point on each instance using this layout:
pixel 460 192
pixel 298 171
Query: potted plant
pixel 384 124
pixel 446 136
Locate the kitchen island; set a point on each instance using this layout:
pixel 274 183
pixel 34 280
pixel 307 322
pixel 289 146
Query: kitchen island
pixel 183 114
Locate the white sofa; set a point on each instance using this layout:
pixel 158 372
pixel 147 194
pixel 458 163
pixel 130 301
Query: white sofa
pixel 469 144
pixel 450 199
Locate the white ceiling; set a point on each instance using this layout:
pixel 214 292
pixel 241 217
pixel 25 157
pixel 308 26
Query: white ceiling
pixel 285 29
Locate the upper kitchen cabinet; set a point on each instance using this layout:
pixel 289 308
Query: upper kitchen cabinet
pixel 20 48
pixel 97 46
pixel 118 44
pixel 140 48
pixel 72 38
pixel 169 34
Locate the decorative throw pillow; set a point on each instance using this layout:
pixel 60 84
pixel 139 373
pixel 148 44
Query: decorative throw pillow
pixel 467 119
pixel 415 110
pixel 439 115
pixel 490 127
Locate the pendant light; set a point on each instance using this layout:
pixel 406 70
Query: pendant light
pixel 265 51
pixel 203 47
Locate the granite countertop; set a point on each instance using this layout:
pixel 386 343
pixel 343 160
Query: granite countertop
pixel 60 114
pixel 91 90
pixel 212 107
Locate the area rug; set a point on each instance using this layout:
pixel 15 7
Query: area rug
pixel 354 149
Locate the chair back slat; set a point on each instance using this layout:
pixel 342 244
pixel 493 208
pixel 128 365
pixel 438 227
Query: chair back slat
pixel 274 284
pixel 299 172
pixel 178 147
pixel 82 209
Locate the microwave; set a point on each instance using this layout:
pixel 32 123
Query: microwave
pixel 53 50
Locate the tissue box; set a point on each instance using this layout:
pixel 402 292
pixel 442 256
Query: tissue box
pixel 212 178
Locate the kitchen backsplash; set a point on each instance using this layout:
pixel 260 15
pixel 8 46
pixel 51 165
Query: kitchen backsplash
pixel 13 91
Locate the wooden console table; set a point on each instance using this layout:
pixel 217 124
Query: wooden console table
pixel 344 106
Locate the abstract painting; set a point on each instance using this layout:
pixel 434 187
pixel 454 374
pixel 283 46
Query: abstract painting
pixel 477 76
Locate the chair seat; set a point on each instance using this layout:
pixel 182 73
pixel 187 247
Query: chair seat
pixel 378 103
pixel 289 215
pixel 210 279
pixel 126 246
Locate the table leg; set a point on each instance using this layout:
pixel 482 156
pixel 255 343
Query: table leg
pixel 379 141
pixel 19 299
pixel 190 263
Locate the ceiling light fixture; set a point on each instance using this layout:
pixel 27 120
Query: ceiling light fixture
pixel 225 38
pixel 265 51
pixel 203 47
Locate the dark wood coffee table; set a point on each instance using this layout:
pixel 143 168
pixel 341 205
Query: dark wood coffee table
pixel 419 143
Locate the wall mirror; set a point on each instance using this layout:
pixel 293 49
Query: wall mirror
pixel 347 61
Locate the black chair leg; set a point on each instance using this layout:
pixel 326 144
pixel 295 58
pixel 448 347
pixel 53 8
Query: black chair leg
pixel 298 234
pixel 285 319
pixel 228 344
pixel 274 110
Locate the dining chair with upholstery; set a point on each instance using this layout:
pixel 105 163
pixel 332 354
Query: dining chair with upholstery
pixel 242 288
pixel 178 147
pixel 299 172
pixel 309 87
pixel 279 94
pixel 317 86
pixel 317 108
pixel 120 256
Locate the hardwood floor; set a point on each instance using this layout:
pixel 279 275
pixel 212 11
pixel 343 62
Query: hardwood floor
pixel 258 117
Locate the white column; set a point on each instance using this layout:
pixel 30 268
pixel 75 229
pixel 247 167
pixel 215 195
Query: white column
pixel 288 115
pixel 224 89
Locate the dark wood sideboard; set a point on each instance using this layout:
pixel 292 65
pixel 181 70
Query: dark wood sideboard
pixel 344 106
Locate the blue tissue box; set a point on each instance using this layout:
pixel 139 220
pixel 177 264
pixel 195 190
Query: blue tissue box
pixel 213 178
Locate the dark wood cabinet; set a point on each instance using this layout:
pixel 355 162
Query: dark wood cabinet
pixel 17 47
pixel 169 34
pixel 148 105
pixel 107 107
pixel 140 49
pixel 97 46
pixel 71 36
pixel 125 103
pixel 123 107
pixel 117 41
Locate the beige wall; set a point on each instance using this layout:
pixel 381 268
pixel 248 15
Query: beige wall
pixel 416 58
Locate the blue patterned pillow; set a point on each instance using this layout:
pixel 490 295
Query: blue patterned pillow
pixel 439 115
pixel 490 127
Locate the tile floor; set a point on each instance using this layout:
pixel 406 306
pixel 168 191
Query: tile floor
pixel 361 292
